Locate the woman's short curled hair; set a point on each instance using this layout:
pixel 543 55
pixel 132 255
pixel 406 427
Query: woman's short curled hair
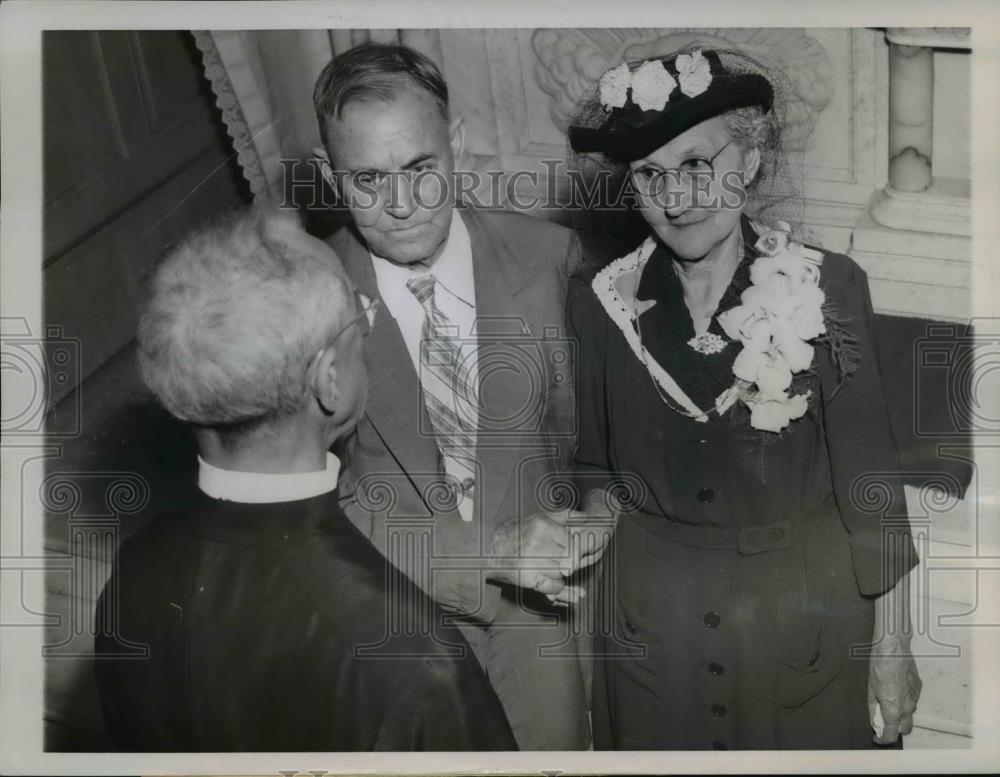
pixel 751 127
pixel 233 316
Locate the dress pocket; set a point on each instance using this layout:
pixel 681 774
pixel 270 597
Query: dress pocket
pixel 810 654
pixel 801 679
pixel 799 628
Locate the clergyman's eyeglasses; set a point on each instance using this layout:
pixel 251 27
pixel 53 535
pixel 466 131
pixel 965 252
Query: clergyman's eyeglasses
pixel 365 319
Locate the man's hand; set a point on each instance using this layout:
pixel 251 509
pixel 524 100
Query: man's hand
pixel 541 551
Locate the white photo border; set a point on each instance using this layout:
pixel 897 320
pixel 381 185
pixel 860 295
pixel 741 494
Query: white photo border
pixel 21 666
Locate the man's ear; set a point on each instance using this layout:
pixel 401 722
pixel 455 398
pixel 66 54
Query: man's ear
pixel 456 132
pixel 326 168
pixel 751 163
pixel 324 382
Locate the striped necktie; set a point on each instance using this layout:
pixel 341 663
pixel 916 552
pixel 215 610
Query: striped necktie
pixel 448 388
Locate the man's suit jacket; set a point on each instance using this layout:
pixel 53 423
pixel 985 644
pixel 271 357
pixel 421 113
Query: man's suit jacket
pixel 392 487
pixel 271 627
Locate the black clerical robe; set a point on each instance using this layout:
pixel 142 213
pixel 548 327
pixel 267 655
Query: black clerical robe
pixel 278 627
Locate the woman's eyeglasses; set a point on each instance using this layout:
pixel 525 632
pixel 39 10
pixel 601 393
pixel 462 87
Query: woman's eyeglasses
pixel 653 180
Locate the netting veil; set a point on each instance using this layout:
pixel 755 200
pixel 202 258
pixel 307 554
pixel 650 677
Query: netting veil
pixel 780 136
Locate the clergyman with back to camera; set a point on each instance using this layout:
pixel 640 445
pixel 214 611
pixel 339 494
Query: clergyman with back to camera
pixel 263 610
pixel 477 285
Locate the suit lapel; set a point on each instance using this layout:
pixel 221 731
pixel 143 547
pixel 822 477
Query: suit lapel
pixel 502 319
pixel 395 405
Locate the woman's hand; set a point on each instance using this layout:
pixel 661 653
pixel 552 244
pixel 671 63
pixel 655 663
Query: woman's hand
pixel 893 680
pixel 541 551
pixel 894 683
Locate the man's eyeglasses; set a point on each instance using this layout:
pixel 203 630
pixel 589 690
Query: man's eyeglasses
pixel 365 319
pixel 653 180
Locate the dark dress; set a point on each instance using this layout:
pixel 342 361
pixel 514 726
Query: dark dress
pixel 731 594
pixel 270 627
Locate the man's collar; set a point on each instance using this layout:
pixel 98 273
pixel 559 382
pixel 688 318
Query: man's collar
pixel 264 488
pixel 452 269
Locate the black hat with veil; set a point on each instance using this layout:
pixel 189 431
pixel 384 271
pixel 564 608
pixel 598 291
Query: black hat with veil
pixel 647 104
pixel 641 105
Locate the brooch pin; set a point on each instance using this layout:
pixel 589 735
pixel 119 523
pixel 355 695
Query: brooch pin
pixel 707 343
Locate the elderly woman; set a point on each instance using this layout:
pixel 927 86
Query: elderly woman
pixel 730 396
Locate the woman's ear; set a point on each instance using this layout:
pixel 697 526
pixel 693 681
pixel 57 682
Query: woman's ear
pixel 751 163
pixel 324 383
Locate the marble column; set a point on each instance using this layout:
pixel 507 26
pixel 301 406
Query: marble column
pixel 341 40
pixel 911 117
pixel 383 35
pixel 427 42
pixel 914 199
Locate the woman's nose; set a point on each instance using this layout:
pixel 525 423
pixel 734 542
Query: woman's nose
pixel 675 195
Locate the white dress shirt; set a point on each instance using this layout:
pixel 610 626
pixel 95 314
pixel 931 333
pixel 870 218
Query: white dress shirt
pixel 455 297
pixel 266 488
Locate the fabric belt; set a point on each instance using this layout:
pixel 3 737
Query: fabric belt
pixel 748 540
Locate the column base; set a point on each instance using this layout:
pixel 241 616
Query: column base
pixel 913 272
pixel 941 208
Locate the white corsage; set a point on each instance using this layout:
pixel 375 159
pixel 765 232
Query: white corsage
pixel 693 73
pixel 779 314
pixel 779 319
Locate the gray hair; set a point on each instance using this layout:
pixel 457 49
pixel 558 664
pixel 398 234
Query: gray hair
pixel 374 72
pixel 233 316
pixel 751 127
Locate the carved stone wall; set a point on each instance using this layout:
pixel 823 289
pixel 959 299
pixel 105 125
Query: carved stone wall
pixel 525 93
pixel 878 128
pixel 517 89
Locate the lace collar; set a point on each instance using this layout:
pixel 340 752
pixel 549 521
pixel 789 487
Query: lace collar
pixel 632 286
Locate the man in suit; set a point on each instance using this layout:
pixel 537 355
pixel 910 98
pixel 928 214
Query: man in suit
pixel 470 421
pixel 256 618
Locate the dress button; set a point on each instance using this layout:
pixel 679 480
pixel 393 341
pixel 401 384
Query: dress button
pixel 706 495
pixel 717 745
pixel 716 669
pixel 719 710
pixel 712 620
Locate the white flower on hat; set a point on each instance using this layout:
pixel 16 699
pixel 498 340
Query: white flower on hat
pixel 614 87
pixel 693 72
pixel 652 85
